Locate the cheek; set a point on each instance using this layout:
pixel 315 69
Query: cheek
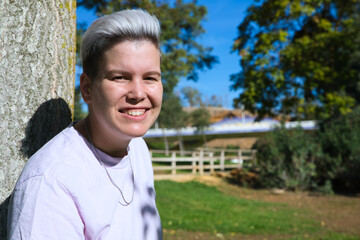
pixel 156 93
pixel 109 95
pixel 106 98
pixel 158 99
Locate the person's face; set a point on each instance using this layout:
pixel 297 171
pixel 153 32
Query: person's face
pixel 126 98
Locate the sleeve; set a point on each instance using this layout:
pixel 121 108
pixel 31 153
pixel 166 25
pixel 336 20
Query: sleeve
pixel 43 209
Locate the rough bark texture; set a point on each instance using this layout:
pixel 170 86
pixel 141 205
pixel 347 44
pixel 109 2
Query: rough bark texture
pixel 37 72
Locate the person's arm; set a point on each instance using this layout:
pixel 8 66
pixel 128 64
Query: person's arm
pixel 43 209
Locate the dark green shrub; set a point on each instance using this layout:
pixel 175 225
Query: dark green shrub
pixel 325 160
pixel 286 159
pixel 340 141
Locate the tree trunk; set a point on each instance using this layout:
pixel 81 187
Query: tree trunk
pixel 166 143
pixel 204 138
pixel 37 73
pixel 181 143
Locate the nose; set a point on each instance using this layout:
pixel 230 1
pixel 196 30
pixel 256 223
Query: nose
pixel 136 92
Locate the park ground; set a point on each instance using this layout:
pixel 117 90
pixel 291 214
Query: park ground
pixel 337 214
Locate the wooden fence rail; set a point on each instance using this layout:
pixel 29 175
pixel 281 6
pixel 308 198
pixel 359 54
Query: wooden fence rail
pixel 201 161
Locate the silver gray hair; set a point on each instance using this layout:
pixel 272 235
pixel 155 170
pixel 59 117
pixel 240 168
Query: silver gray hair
pixel 105 32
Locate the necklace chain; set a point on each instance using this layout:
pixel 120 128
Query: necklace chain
pixel 127 203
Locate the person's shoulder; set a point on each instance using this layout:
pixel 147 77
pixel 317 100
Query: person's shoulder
pixel 53 157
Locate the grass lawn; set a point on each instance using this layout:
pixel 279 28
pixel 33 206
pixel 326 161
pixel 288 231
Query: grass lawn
pixel 190 209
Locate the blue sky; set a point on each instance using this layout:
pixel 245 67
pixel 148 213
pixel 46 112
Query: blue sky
pixel 221 29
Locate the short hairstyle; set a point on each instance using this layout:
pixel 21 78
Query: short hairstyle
pixel 105 32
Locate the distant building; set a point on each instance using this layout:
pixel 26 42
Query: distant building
pixel 229 128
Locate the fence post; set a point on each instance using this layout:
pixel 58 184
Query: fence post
pixel 193 166
pixel 222 160
pixel 201 162
pixel 193 156
pixel 173 163
pixel 211 155
pixel 240 157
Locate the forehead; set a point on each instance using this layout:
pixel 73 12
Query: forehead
pixel 132 54
pixel 130 45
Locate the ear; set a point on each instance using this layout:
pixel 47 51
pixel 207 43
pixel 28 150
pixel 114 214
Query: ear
pixel 85 87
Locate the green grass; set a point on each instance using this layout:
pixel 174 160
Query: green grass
pixel 155 154
pixel 196 207
pixel 193 206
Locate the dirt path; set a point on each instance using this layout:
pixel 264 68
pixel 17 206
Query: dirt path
pixel 340 214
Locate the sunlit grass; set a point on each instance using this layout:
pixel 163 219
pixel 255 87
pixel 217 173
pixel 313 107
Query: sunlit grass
pixel 197 207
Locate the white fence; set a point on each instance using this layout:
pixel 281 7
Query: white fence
pixel 201 161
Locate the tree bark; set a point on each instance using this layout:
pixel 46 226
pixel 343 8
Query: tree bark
pixel 37 74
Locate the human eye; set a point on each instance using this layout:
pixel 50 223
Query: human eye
pixel 121 78
pixel 118 77
pixel 150 78
pixel 154 78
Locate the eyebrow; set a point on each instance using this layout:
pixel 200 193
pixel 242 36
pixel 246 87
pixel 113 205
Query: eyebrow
pixel 153 73
pixel 129 73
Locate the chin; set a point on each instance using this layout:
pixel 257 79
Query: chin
pixel 136 133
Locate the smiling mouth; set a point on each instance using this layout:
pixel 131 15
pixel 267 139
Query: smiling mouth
pixel 136 112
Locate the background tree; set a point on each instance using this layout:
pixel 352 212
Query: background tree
pixel 172 115
pixel 299 57
pixel 214 101
pixel 193 96
pixel 200 118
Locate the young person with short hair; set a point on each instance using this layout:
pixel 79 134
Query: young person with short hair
pixel 94 180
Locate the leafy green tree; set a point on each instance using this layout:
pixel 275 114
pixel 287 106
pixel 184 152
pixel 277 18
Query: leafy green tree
pixel 192 95
pixel 299 57
pixel 214 101
pixel 200 118
pixel 172 115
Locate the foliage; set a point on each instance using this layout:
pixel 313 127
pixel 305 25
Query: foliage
pixel 193 96
pixel 299 57
pixel 286 159
pixel 195 99
pixel 340 140
pixel 172 114
pixel 193 206
pixel 200 118
pixel 326 160
pixel 80 31
pixel 214 101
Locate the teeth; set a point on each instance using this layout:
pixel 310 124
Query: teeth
pixel 135 112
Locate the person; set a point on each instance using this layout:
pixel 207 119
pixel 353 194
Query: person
pixel 94 180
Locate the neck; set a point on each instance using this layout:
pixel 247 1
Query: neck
pixel 102 139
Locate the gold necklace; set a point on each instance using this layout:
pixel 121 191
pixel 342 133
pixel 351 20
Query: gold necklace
pixel 127 203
